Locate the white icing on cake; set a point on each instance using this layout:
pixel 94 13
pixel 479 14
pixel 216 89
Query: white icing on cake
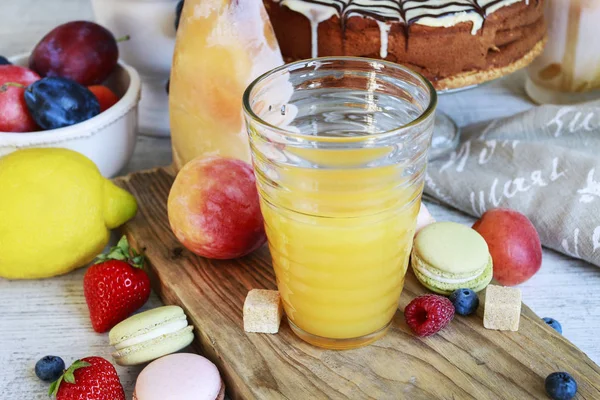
pixel 316 13
pixel 491 6
pixel 384 32
pixel 383 10
pixel 442 13
pixel 434 13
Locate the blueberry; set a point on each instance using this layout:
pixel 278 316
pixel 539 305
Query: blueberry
pixel 4 61
pixel 178 10
pixel 561 386
pixel 554 324
pixel 465 301
pixel 49 368
pixel 58 102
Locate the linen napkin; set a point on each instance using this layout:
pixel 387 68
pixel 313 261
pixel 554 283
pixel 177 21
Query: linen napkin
pixel 544 162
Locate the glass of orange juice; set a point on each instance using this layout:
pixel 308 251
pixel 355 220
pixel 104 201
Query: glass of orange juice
pixel 339 147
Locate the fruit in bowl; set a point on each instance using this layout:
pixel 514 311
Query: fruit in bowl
pixel 58 102
pixel 15 116
pixel 48 103
pixel 108 139
pixel 214 209
pixel 106 97
pixel 514 245
pixel 99 121
pixel 80 50
pixel 68 58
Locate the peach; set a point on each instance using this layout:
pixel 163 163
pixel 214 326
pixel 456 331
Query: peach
pixel 214 209
pixel 514 245
pixel 424 218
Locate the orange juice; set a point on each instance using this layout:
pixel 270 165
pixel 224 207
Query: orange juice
pixel 340 251
pixel 339 147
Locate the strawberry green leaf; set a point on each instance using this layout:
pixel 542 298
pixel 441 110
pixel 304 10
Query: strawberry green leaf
pixel 54 387
pixel 123 245
pixel 138 260
pixel 67 376
pixel 122 252
pixel 116 254
pixel 79 364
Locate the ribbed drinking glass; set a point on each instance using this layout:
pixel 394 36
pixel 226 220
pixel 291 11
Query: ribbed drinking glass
pixel 339 147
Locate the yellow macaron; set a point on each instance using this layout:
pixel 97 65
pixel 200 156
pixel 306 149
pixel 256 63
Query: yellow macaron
pixel 447 256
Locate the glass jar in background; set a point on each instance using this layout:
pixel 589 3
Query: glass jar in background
pixel 569 69
pixel 222 45
pixel 339 147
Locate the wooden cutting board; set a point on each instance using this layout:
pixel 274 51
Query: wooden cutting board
pixel 463 361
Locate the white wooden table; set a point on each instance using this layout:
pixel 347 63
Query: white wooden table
pixel 50 316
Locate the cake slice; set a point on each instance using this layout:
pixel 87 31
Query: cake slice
pixel 453 43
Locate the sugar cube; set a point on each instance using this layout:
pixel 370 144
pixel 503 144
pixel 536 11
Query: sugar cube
pixel 502 308
pixel 262 311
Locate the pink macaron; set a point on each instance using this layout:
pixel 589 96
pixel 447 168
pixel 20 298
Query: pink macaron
pixel 181 376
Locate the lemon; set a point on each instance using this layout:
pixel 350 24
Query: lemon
pixel 56 211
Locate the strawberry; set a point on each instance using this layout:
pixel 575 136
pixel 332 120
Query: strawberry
pixel 91 378
pixel 115 286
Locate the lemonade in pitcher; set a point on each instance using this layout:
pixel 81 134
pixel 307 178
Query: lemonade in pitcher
pixel 222 45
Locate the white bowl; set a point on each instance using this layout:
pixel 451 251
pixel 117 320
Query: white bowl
pixel 108 139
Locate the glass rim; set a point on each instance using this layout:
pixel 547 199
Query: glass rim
pixel 424 115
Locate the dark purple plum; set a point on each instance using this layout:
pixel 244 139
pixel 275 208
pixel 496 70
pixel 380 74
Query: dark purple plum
pixel 58 102
pixel 81 50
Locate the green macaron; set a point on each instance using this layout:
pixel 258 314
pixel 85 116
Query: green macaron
pixel 149 335
pixel 447 256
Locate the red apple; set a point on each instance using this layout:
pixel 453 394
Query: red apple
pixel 514 245
pixel 214 209
pixel 14 116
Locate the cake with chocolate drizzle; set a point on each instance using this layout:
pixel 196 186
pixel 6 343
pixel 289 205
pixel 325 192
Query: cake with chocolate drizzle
pixel 454 43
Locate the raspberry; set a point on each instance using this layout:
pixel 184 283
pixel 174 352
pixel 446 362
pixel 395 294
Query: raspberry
pixel 428 314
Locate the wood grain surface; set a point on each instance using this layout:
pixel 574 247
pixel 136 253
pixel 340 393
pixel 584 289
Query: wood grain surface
pixel 51 317
pixel 463 361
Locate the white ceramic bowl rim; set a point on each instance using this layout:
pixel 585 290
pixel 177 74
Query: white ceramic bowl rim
pixel 82 129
